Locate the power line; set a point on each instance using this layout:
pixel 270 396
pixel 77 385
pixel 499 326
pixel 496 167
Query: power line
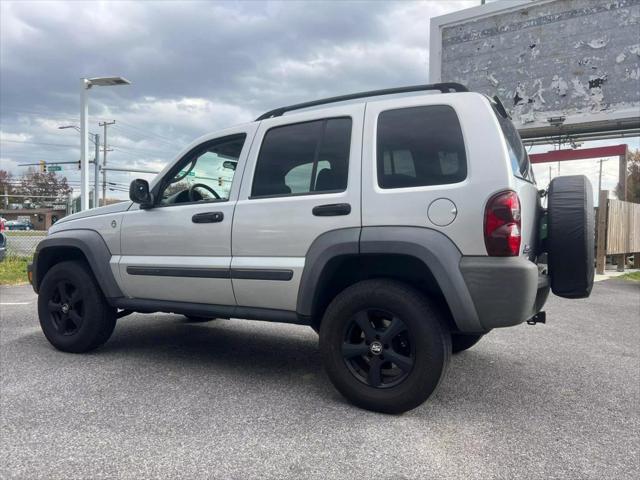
pixel 48 114
pixel 142 137
pixel 47 144
pixel 148 132
pixel 40 143
pixel 135 149
pixel 138 136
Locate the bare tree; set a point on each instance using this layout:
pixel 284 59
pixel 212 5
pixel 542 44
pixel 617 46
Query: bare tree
pixel 633 178
pixel 40 185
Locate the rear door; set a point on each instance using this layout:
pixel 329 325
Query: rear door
pixel 302 179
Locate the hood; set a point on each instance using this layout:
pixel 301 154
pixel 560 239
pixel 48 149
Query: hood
pixel 113 208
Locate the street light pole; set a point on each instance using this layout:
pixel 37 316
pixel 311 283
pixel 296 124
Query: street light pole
pixel 85 85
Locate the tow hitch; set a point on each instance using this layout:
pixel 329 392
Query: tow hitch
pixel 540 317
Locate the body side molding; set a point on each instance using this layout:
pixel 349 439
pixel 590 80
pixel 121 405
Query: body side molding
pixel 206 310
pixel 198 272
pixel 178 272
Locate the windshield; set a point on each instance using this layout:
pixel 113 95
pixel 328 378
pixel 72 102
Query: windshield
pixel 517 153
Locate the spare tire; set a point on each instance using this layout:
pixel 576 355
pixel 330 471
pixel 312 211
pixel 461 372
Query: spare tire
pixel 571 236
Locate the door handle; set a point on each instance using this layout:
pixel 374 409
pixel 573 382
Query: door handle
pixel 332 210
pixel 208 217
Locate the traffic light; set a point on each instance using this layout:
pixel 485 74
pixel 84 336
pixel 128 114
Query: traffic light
pixel 43 166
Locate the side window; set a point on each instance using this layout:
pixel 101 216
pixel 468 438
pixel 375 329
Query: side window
pixel 517 154
pixel 304 158
pixel 420 146
pixel 206 173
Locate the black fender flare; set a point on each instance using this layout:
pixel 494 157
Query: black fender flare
pixel 92 246
pixel 431 247
pixel 325 248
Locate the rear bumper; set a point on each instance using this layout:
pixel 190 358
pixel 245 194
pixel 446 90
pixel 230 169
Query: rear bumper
pixel 505 290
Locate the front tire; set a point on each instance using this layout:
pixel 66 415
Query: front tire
pixel 74 315
pixel 384 345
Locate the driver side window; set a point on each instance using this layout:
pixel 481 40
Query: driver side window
pixel 205 174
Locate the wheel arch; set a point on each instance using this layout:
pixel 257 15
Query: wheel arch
pixel 422 257
pixel 84 245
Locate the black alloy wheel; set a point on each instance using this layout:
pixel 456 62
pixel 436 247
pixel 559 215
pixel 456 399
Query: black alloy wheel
pixel 74 314
pixel 385 345
pixel 66 308
pixel 377 348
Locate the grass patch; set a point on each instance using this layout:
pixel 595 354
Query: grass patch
pixel 635 276
pixel 13 270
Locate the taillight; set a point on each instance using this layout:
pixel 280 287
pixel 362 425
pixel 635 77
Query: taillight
pixel 502 225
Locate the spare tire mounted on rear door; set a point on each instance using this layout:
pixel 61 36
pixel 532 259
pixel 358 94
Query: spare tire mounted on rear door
pixel 571 236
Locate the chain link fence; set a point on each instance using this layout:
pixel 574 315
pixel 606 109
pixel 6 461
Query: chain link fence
pixel 22 243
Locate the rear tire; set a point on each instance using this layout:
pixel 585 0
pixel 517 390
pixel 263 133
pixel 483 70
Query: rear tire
pixel 74 315
pixel 384 345
pixel 571 236
pixel 461 342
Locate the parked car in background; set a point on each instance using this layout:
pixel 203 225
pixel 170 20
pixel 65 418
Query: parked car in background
pixel 3 245
pixel 19 225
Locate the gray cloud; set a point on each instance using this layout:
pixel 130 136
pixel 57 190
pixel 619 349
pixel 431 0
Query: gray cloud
pixel 195 67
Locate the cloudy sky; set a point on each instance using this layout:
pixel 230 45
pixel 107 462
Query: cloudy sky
pixel 195 67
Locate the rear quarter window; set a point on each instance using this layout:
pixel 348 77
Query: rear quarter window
pixel 420 146
pixel 517 154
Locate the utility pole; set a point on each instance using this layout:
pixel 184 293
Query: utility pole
pixel 96 180
pixel 600 177
pixel 602 160
pixel 104 160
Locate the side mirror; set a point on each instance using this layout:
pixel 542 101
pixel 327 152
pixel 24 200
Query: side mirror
pixel 139 193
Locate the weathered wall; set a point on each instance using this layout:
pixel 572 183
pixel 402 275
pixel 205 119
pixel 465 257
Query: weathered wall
pixel 564 57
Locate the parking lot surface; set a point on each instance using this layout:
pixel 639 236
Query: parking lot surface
pixel 232 399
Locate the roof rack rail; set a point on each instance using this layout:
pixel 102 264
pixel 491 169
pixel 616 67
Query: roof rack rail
pixel 442 87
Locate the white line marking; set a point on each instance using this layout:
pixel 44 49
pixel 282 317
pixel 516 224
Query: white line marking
pixel 16 303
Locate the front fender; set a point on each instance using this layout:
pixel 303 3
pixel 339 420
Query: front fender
pixel 90 243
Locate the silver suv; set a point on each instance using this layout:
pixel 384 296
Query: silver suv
pixel 402 225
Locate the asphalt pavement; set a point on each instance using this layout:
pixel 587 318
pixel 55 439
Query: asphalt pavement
pixel 233 399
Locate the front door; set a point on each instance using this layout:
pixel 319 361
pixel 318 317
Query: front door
pixel 180 250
